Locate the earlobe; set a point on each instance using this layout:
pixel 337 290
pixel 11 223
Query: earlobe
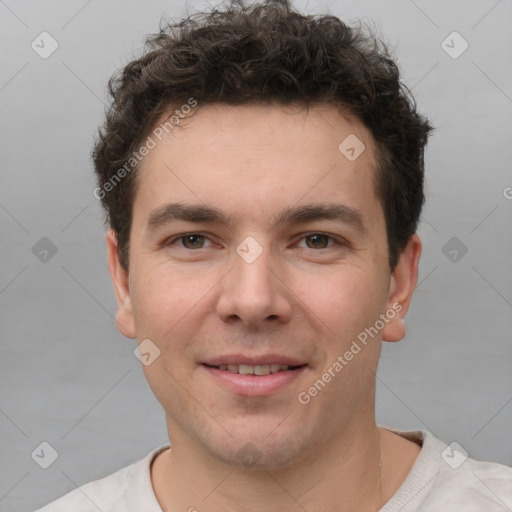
pixel 124 315
pixel 401 289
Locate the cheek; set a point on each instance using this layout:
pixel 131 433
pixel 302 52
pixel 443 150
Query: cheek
pixel 164 304
pixel 344 301
pixel 164 294
pixel 154 297
pixel 170 306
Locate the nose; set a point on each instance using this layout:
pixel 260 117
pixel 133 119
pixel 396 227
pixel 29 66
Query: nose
pixel 255 293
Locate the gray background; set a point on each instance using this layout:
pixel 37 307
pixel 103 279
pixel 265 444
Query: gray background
pixel 69 378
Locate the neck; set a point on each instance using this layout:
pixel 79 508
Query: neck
pixel 344 475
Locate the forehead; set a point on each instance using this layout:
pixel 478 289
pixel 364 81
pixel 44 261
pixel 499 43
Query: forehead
pixel 253 159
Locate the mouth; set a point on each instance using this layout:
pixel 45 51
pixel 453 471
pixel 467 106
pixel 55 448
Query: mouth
pixel 254 377
pixel 260 370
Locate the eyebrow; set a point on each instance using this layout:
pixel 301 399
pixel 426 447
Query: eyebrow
pixel 201 213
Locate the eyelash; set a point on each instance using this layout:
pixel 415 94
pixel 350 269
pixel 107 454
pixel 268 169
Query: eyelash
pixel 336 240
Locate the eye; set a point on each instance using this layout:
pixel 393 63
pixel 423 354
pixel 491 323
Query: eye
pixel 198 241
pixel 190 241
pixel 317 241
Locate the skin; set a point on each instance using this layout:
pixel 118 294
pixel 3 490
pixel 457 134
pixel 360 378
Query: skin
pixel 203 300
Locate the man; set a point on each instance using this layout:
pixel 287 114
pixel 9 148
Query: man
pixel 262 176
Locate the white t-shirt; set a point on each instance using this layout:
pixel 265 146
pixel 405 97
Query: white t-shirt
pixel 441 480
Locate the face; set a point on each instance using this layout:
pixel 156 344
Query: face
pixel 258 246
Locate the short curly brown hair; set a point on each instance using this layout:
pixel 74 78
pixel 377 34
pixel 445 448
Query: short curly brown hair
pixel 266 52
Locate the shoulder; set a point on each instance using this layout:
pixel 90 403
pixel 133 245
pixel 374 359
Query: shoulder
pixel 475 485
pixel 129 488
pixel 445 478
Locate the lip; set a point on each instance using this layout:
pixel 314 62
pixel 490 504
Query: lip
pixel 252 385
pixel 253 360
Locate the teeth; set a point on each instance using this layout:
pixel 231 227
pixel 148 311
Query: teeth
pixel 263 369
pixel 244 369
pixel 260 369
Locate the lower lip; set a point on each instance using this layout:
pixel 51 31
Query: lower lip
pixel 253 385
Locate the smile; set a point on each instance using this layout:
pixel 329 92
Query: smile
pixel 259 370
pixel 265 378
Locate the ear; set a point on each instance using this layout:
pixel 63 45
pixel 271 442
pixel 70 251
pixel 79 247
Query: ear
pixel 402 283
pixel 124 315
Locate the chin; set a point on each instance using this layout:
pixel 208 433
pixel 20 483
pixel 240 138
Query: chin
pixel 259 450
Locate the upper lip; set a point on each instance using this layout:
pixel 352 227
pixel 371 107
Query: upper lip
pixel 253 360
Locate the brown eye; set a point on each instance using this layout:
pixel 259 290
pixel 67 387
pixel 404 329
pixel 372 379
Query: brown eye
pixel 189 241
pixel 317 241
pixel 192 241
